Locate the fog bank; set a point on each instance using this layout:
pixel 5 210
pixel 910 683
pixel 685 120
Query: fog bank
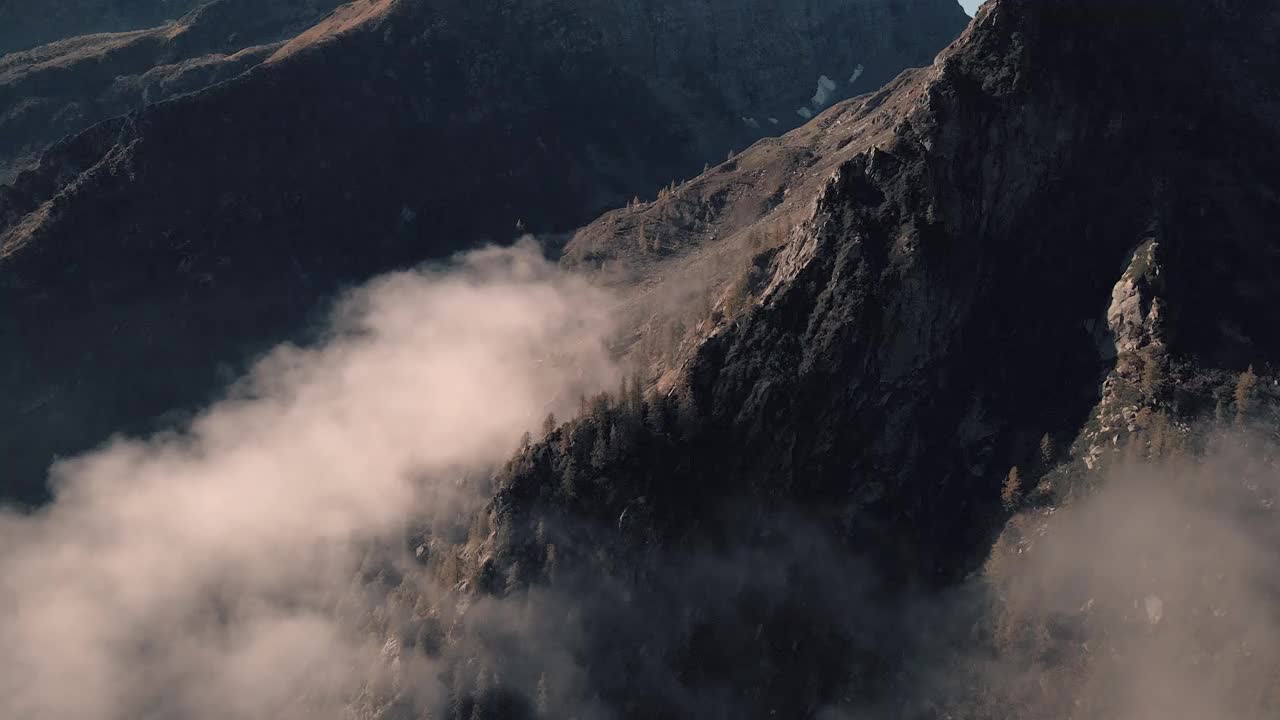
pixel 192 574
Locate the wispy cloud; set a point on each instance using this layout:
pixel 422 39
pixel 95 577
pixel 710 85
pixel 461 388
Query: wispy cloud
pixel 193 574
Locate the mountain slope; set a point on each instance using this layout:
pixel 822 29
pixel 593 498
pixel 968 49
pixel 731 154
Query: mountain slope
pixel 22 26
pixel 194 232
pixel 1049 251
pixel 947 248
pixel 64 87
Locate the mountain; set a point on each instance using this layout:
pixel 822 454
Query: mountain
pixel 143 259
pixel 973 293
pixel 23 27
pixel 959 401
pixel 65 87
pixel 885 288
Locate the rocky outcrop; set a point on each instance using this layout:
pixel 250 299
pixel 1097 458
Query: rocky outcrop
pixel 986 266
pixel 954 247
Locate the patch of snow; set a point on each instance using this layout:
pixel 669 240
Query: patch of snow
pixel 751 122
pixel 773 121
pixel 857 73
pixel 805 113
pixel 823 94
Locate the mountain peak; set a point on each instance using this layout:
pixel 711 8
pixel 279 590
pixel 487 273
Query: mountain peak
pixel 888 285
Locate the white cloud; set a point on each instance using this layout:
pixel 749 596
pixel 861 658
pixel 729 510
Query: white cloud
pixel 193 574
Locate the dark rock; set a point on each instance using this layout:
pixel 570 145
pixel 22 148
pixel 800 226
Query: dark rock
pixel 142 254
pixel 949 252
pixel 64 87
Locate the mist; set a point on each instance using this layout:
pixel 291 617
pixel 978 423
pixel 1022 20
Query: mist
pixel 1154 596
pixel 194 574
pixel 233 568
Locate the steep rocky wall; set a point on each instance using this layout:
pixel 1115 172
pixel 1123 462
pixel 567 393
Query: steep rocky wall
pixel 948 302
pixel 1001 262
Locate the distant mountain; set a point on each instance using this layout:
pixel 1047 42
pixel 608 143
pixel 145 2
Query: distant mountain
pixel 65 87
pixel 147 252
pixel 25 24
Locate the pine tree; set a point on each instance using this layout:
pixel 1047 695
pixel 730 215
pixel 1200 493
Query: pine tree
pixel 542 699
pixel 686 415
pixel 617 442
pixel 1160 440
pixel 548 424
pixel 1046 449
pixel 600 451
pixel 1011 492
pixel 1153 375
pixel 569 480
pixel 635 395
pixel 482 698
pixel 459 705
pixel 1244 393
pixel 551 565
pixel 658 416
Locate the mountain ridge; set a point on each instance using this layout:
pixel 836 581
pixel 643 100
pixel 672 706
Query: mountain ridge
pixel 960 400
pixel 1007 265
pixel 1009 276
pixel 137 234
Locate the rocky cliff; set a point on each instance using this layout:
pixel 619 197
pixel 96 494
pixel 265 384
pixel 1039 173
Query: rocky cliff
pixel 191 232
pixel 887 287
pixel 972 292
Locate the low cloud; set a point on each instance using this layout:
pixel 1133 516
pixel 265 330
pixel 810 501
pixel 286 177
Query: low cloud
pixel 193 574
pixel 1155 596
pixel 222 571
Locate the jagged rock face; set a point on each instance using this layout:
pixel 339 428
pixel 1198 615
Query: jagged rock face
pixel 195 231
pixel 939 311
pixel 979 248
pixel 65 87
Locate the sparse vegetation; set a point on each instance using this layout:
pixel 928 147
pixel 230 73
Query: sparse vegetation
pixel 1011 490
pixel 1243 394
pixel 1047 449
